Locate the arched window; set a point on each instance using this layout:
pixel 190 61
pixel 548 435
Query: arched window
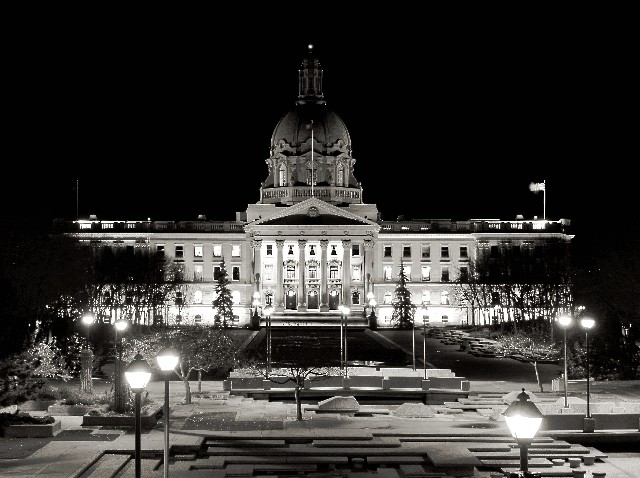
pixel 282 176
pixel 444 297
pixel 340 181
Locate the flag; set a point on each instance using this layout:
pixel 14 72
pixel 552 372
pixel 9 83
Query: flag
pixel 536 187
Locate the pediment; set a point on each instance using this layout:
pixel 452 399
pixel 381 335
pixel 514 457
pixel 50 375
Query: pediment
pixel 314 212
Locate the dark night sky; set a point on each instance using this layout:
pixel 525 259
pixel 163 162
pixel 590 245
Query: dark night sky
pixel 452 125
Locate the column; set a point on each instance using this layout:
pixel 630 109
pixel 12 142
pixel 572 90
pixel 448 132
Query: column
pixel 324 276
pixel 256 245
pixel 368 272
pixel 302 286
pixel 346 271
pixel 279 298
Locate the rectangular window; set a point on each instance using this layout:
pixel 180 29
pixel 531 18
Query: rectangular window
pixel 268 272
pixel 235 250
pixel 445 274
pixel 426 297
pixel 217 250
pixel 445 319
pixel 179 252
pixel 216 272
pixel 160 251
pixel 426 273
pixel 387 251
pixel 197 250
pixel 333 272
pixel 464 273
pixel 313 271
pixel 444 253
pixel 407 273
pixel 355 297
pixel 269 249
pixel 464 252
pixel 235 273
pixel 291 271
pixel 387 272
pixel 406 251
pixel 356 274
pixel 197 272
pixel 355 250
pixel 425 252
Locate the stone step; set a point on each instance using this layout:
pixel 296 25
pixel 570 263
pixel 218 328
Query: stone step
pixel 108 465
pixel 248 443
pixel 533 462
pixel 374 442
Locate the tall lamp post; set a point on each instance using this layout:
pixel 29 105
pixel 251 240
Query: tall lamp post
pixel 255 319
pixel 373 324
pixel 86 357
pixel 138 373
pixel 413 338
pixel 587 324
pixel 167 360
pixel 523 419
pixel 268 310
pixel 120 325
pixel 565 322
pixel 345 310
pixel 425 321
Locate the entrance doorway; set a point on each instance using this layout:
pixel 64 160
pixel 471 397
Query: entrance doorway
pixel 291 300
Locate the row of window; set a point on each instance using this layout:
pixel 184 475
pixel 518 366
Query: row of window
pixel 425 252
pixel 425 273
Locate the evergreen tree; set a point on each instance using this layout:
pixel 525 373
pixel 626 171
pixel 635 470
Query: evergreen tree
pixel 403 309
pixel 223 303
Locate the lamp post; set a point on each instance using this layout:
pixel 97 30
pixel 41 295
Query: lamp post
pixel 523 419
pixel 167 360
pixel 413 337
pixel 120 325
pixel 255 319
pixel 373 324
pixel 86 357
pixel 138 373
pixel 587 324
pixel 345 310
pixel 425 320
pixel 565 322
pixel 268 310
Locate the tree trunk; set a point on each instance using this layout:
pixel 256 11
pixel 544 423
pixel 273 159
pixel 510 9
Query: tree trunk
pixel 86 367
pixel 535 367
pixel 298 403
pixel 199 381
pixel 187 390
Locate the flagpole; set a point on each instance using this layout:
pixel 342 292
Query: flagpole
pixel 544 200
pixel 311 158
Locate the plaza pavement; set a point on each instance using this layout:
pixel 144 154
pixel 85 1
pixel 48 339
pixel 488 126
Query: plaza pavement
pixel 67 458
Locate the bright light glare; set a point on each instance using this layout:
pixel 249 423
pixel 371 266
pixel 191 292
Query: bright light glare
pixel 523 427
pixel 587 322
pixel 565 320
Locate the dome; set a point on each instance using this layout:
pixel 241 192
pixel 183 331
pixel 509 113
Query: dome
pixel 292 134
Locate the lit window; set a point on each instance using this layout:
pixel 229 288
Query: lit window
pixel 407 273
pixel 426 297
pixel 313 271
pixel 217 250
pixel 235 273
pixel 235 297
pixel 387 251
pixel 333 272
pixel 282 175
pixel 356 274
pixel 444 297
pixel 445 274
pixel 444 252
pixel 197 250
pixel 197 272
pixel 387 298
pixel 291 271
pixel 425 251
pixel 268 272
pixel 269 249
pixel 387 272
pixel 197 297
pixel 235 250
pixel 426 273
pixel 179 252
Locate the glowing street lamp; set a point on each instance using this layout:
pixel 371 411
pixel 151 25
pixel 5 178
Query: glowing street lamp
pixel 86 356
pixel 120 325
pixel 523 419
pixel 267 311
pixel 167 360
pixel 138 374
pixel 587 324
pixel 565 321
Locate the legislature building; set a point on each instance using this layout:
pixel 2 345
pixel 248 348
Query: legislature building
pixel 311 242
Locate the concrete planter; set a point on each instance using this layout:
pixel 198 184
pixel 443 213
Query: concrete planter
pixel 73 410
pixel 148 419
pixel 32 430
pixel 36 405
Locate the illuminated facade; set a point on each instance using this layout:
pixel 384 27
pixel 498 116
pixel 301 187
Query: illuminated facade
pixel 310 243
